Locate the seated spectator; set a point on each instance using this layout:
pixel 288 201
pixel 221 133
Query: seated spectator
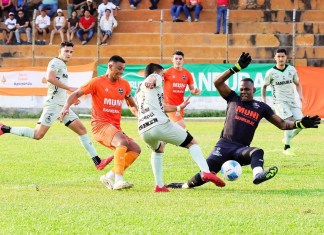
pixel 5 6
pixel 23 26
pixel 18 5
pixel 89 6
pixel 8 32
pixel 75 5
pixel 59 23
pixel 86 26
pixel 176 8
pixel 116 3
pixel 192 5
pixel 107 24
pixel 42 23
pixel 106 5
pixel 134 3
pixel 73 24
pixel 154 4
pixel 51 5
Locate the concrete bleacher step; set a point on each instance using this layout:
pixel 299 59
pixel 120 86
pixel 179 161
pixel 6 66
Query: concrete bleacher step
pixel 135 38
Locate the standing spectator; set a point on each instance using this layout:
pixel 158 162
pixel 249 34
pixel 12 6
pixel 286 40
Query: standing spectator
pixel 86 26
pixel 192 5
pixel 154 4
pixel 176 8
pixel 107 24
pixel 51 5
pixel 42 26
pixel 59 23
pixel 23 26
pixel 134 3
pixel 19 5
pixel 5 6
pixel 106 5
pixel 10 28
pixel 73 24
pixel 75 5
pixel 89 6
pixel 117 3
pixel 222 6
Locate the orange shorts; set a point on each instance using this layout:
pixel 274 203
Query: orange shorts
pixel 104 134
pixel 175 118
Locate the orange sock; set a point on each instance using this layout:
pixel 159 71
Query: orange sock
pixel 119 159
pixel 130 157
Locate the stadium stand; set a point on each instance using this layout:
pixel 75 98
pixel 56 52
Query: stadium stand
pixel 143 36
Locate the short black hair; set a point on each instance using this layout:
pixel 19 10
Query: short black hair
pixel 247 80
pixel 151 68
pixel 108 10
pixel 66 44
pixel 178 52
pixel 116 58
pixel 281 50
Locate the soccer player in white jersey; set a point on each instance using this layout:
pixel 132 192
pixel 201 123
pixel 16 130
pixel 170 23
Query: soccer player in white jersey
pixel 156 129
pixel 282 78
pixel 57 83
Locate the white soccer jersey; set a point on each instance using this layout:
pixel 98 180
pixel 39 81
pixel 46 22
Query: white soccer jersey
pixel 282 83
pixel 55 94
pixel 150 105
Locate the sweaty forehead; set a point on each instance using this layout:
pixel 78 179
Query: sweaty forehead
pixel 247 84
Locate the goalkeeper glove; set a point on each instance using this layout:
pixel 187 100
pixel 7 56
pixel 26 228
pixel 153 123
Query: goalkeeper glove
pixel 308 122
pixel 244 60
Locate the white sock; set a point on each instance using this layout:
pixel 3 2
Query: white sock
pixel 110 175
pixel 118 177
pixel 198 157
pixel 23 131
pixel 257 170
pixel 185 185
pixel 295 132
pixel 287 136
pixel 87 144
pixel 156 162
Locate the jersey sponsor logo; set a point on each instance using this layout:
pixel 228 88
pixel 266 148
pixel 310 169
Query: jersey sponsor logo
pixel 65 75
pixel 248 113
pixel 110 110
pixel 178 85
pixel 147 124
pixel 284 82
pixel 243 119
pixel 121 90
pixel 113 102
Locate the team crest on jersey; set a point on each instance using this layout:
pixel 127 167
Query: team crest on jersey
pixel 255 105
pixel 121 91
pixel 184 77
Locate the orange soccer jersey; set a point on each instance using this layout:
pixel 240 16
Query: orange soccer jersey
pixel 175 83
pixel 107 99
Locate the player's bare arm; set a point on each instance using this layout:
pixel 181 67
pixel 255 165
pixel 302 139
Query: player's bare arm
pixel 51 78
pixel 72 99
pixel 131 105
pixel 299 91
pixel 264 93
pixel 174 108
pixel 305 122
pixel 193 90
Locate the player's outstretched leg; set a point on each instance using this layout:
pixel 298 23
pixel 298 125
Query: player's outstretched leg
pixel 211 177
pixel 104 162
pixel 265 175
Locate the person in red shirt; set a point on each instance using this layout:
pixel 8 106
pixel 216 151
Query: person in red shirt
pixel 176 80
pixel 86 25
pixel 108 93
pixel 222 6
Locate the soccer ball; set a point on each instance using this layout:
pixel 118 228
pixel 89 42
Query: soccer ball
pixel 231 170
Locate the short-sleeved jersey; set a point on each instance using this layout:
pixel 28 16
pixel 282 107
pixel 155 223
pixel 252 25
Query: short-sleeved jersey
pixel 107 99
pixel 282 83
pixel 150 105
pixel 175 83
pixel 55 94
pixel 43 22
pixel 11 23
pixel 242 118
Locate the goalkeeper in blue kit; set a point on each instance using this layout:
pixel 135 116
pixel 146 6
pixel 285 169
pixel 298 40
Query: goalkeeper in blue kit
pixel 243 115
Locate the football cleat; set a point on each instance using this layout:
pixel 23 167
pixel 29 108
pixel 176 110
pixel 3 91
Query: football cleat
pixel 104 162
pixel 174 185
pixel 108 182
pixel 122 185
pixel 157 189
pixel 211 177
pixel 1 132
pixel 265 175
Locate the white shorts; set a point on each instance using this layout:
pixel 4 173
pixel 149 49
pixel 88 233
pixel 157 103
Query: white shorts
pixel 286 110
pixel 52 112
pixel 168 132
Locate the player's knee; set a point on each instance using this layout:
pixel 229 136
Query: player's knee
pixel 38 136
pixel 257 153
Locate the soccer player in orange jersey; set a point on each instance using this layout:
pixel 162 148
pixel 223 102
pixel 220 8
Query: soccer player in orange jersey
pixel 176 80
pixel 108 93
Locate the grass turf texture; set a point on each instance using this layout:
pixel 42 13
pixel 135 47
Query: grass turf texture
pixel 51 187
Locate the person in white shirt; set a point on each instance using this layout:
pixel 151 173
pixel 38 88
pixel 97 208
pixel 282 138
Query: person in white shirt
pixel 59 26
pixel 10 28
pixel 107 24
pixel 156 129
pixel 282 78
pixel 42 22
pixel 106 5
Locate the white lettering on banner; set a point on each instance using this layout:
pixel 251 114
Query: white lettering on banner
pixel 113 102
pixel 135 84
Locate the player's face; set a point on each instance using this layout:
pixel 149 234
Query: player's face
pixel 177 61
pixel 280 59
pixel 246 91
pixel 66 53
pixel 116 70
